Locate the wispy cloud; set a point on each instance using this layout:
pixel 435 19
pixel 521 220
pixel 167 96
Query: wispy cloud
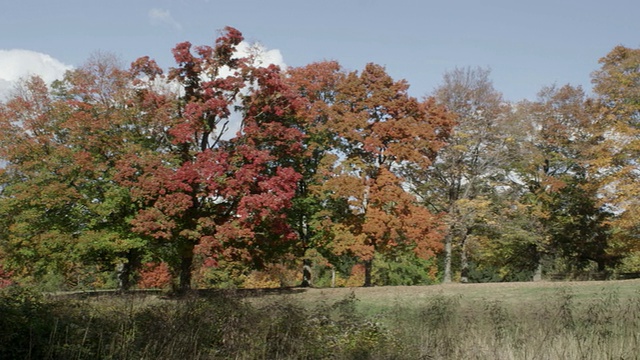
pixel 163 17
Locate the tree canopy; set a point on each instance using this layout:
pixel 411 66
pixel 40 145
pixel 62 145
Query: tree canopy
pixel 113 172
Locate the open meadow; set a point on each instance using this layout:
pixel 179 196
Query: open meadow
pixel 543 320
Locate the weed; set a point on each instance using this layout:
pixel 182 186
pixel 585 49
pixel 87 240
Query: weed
pixel 562 326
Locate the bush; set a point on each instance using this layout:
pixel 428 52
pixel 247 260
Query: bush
pixel 25 324
pixel 212 327
pixel 404 269
pixel 154 276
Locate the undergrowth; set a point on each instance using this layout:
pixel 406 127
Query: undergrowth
pixel 222 327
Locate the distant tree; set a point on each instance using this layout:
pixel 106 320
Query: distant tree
pixel 617 98
pixel 473 164
pixel 563 186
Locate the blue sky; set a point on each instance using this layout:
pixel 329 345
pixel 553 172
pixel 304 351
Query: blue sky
pixel 527 44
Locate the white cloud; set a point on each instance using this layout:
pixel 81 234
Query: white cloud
pixel 262 56
pixel 18 64
pixel 163 17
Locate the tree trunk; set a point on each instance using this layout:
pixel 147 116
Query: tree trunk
pixel 537 275
pixel 123 274
pixel 464 258
pixel 447 258
pixel 186 266
pixel 464 263
pixel 368 264
pixel 125 269
pixel 303 232
pixel 333 277
pixel 306 273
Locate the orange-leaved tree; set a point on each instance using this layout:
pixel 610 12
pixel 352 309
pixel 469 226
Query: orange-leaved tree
pixel 380 130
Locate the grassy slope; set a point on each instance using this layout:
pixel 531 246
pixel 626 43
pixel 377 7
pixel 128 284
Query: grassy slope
pixel 542 320
pixel 516 294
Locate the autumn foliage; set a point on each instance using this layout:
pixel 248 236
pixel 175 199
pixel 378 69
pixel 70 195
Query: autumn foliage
pixel 222 163
pixel 379 130
pixel 154 276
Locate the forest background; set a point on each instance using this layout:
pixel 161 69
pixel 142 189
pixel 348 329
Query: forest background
pixel 130 176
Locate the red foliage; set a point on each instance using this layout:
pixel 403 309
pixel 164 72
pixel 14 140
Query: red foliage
pixel 154 276
pixel 203 193
pixel 5 278
pixel 146 66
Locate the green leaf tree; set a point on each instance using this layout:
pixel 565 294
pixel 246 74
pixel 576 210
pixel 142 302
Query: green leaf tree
pixel 62 210
pixel 474 163
pixel 564 185
pixel 617 98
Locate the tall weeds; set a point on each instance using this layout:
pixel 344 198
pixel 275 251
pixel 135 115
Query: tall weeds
pixel 213 327
pixel 561 326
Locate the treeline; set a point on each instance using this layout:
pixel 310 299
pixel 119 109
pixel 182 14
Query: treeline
pixel 116 176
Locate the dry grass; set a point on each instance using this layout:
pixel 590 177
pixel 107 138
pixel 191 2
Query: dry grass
pixel 516 293
pixel 546 320
pixel 542 320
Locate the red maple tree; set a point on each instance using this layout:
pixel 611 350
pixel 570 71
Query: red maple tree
pixel 206 194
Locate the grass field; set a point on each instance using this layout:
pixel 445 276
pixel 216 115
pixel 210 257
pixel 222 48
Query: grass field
pixel 545 320
pixel 516 293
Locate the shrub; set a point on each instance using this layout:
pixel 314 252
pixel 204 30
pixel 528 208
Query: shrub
pixel 154 276
pixel 25 324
